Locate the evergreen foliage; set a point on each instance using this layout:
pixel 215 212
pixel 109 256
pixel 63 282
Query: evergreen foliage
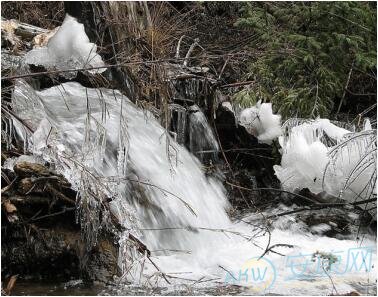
pixel 306 53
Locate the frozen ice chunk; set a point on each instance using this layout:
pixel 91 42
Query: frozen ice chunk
pixel 343 167
pixel 330 129
pixel 68 48
pixel 305 155
pixel 260 121
pixel 302 164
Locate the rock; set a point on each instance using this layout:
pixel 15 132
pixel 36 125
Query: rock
pixel 27 169
pixel 25 185
pixel 41 237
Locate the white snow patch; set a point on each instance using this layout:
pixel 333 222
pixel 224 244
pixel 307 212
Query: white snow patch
pixel 227 104
pixel 260 121
pixel 68 48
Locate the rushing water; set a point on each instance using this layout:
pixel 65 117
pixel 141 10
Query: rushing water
pixel 102 143
pixel 202 142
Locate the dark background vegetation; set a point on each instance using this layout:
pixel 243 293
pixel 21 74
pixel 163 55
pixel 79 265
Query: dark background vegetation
pixel 309 58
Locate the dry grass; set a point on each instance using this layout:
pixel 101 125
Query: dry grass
pixel 44 14
pixel 146 32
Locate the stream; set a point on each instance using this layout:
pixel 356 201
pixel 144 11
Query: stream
pixel 175 234
pixel 160 192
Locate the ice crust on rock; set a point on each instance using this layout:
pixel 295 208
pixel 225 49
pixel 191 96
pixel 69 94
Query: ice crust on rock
pixel 68 48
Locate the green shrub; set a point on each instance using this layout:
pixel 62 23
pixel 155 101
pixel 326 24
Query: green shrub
pixel 305 53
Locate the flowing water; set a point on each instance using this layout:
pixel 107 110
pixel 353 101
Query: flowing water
pixel 102 143
pixel 202 142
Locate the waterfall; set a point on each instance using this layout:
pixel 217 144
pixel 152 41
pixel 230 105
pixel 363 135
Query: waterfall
pixel 202 142
pixel 111 150
pixel 153 177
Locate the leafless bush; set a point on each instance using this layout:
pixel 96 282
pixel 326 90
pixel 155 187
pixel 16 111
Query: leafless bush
pixel 44 14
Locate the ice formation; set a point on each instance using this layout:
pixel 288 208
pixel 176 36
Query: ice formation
pixel 68 48
pixel 320 156
pixel 302 164
pixel 367 125
pixel 260 121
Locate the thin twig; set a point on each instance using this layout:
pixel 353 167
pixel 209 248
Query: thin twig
pixel 321 206
pixel 224 66
pixel 270 249
pixel 237 84
pixel 162 273
pixel 273 189
pixel 53 214
pixel 163 190
pixel 8 187
pixel 227 271
pixel 345 88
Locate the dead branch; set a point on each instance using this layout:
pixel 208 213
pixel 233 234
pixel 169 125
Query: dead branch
pixel 12 114
pixel 164 191
pixel 237 84
pixel 9 187
pixel 150 62
pixel 323 205
pixel 178 47
pixel 59 195
pixel 273 189
pixel 142 248
pixel 52 214
pixel 193 45
pixel 270 249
